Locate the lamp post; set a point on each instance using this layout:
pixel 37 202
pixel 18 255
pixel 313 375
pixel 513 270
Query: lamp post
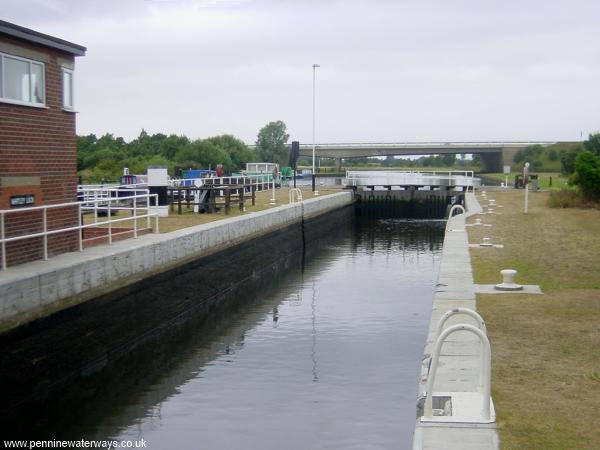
pixel 315 191
pixel 526 183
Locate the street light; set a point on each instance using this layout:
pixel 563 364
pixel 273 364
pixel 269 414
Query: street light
pixel 316 192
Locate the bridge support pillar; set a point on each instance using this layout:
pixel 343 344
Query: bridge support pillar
pixel 338 164
pixel 492 162
pixel 508 156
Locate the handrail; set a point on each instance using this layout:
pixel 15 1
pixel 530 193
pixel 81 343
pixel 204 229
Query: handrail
pixel 465 179
pixel 107 203
pixel 454 208
pixel 295 195
pixel 461 311
pixel 458 311
pixel 485 372
pixel 262 181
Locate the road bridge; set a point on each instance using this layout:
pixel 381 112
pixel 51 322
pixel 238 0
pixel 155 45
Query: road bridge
pixel 494 155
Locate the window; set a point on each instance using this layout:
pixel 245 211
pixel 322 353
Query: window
pixel 21 81
pixel 67 84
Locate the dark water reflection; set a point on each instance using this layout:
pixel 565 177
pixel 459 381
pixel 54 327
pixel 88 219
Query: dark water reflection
pixel 324 355
pixel 328 361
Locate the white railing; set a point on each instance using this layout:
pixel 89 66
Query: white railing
pixel 455 178
pixel 109 205
pixel 295 195
pixel 262 182
pixel 89 192
pixel 459 208
pixel 484 413
pixel 456 222
pixel 459 311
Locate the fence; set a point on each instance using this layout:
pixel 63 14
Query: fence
pixel 261 182
pixel 98 206
pixel 464 178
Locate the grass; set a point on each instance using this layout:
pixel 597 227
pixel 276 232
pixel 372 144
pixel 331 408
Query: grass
pixel 559 181
pixel 188 218
pixel 545 348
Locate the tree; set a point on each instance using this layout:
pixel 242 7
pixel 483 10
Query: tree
pixel 593 144
pixel 567 160
pixel 238 152
pixel 203 154
pixel 388 161
pixel 271 143
pixel 587 175
pixel 448 159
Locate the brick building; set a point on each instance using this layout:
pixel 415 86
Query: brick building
pixel 38 160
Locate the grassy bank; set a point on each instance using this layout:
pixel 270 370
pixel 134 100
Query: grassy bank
pixel 546 348
pixel 546 180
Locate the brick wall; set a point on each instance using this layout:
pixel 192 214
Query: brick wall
pixel 39 144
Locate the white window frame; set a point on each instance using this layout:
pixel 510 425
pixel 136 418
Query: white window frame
pixel 43 82
pixel 72 88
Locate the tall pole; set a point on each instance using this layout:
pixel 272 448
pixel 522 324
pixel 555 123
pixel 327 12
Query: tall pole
pixel 526 182
pixel 315 191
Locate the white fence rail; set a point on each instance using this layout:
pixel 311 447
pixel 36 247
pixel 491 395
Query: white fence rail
pixel 108 205
pixel 453 178
pixel 262 182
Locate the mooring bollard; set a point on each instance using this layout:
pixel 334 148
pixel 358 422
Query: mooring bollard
pixel 508 283
pixel 487 242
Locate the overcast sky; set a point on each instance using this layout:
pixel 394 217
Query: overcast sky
pixel 391 71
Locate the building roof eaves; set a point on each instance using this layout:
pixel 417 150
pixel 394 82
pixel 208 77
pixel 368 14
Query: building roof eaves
pixel 40 38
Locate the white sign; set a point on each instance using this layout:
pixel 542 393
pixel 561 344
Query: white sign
pixel 506 169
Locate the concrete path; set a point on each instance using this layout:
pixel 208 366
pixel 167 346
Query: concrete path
pixel 460 357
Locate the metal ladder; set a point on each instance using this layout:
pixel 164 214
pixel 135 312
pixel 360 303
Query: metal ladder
pixel 460 407
pixel 295 196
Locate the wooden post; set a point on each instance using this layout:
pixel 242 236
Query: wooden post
pixel 227 199
pixel 253 189
pixel 241 191
pixel 179 201
pixel 213 201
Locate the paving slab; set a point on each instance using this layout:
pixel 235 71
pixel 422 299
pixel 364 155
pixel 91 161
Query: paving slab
pixel 489 289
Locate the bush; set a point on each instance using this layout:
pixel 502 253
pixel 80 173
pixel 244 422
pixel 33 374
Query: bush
pixel 567 160
pixel 593 144
pixel 566 198
pixel 552 155
pixel 587 175
pixel 536 165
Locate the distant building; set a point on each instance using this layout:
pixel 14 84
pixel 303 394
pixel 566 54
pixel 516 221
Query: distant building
pixel 38 155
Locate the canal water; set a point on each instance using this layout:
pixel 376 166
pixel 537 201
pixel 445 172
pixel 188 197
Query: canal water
pixel 316 348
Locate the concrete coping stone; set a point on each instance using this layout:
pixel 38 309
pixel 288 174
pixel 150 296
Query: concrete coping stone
pixel 490 289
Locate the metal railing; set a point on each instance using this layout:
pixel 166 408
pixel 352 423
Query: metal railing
pixel 459 311
pixel 95 198
pixel 453 178
pixel 456 225
pixel 261 182
pixel 108 205
pixel 484 384
pixel 459 208
pixel 295 195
